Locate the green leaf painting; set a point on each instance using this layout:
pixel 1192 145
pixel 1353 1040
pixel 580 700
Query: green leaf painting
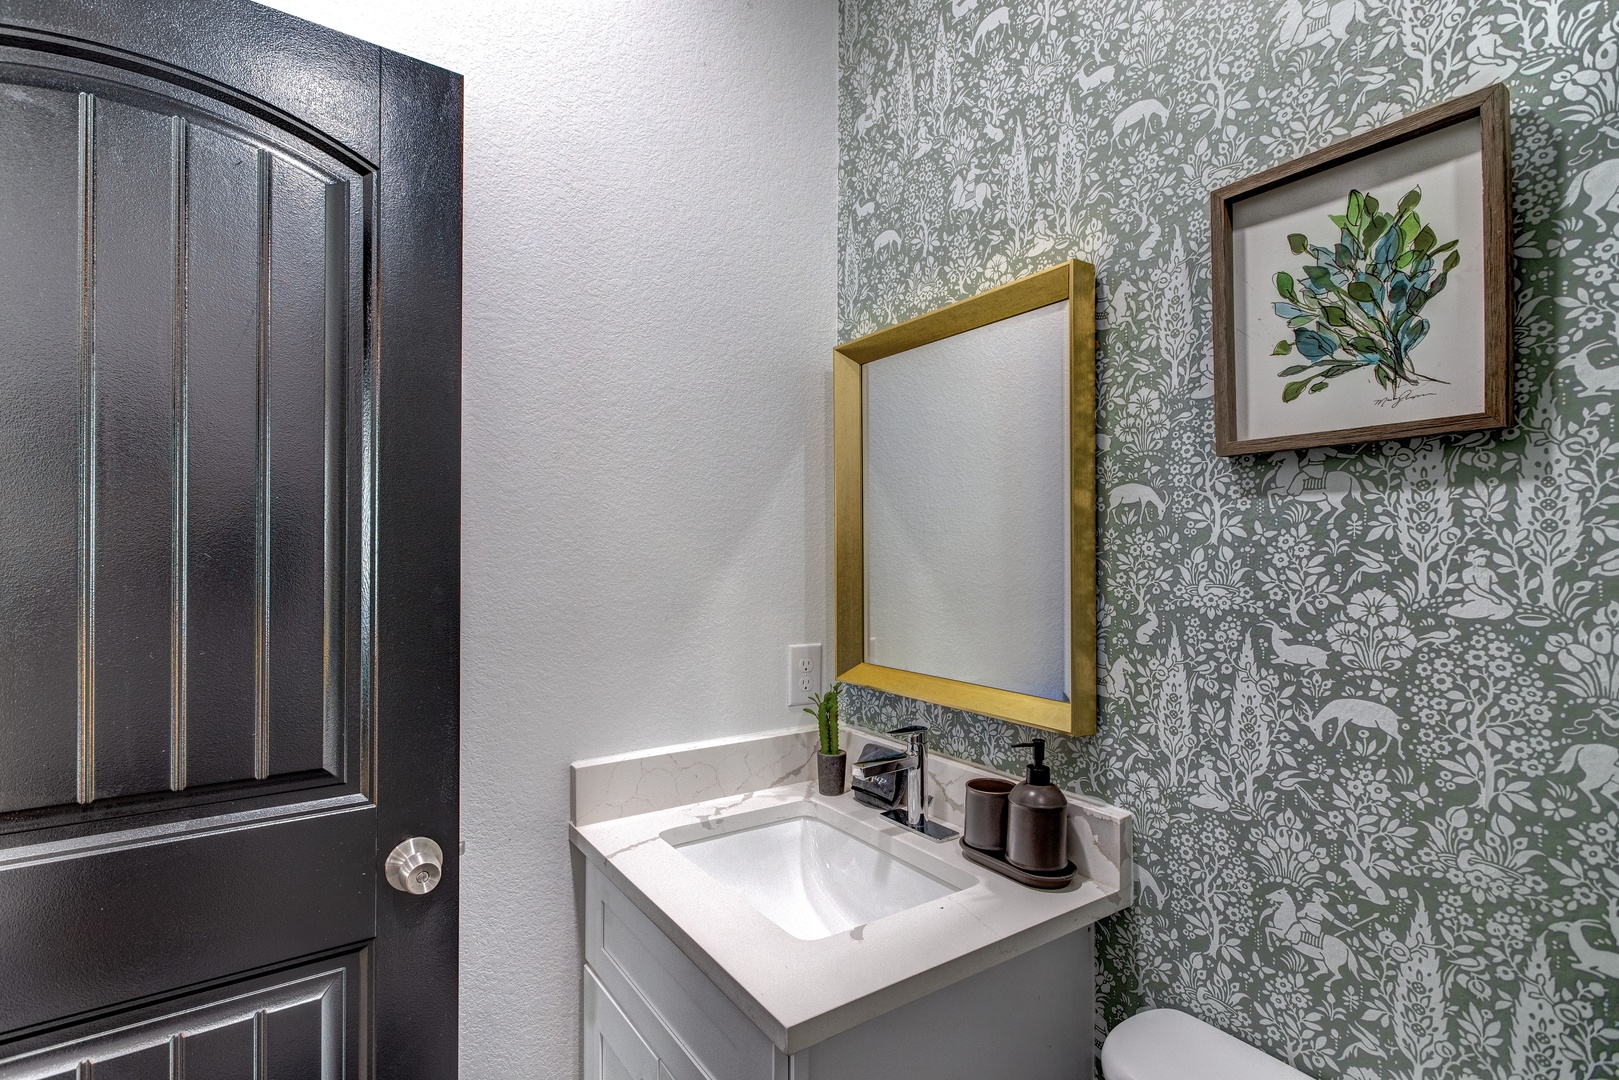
pixel 1358 306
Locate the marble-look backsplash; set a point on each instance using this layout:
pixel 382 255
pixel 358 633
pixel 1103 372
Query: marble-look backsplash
pixel 645 780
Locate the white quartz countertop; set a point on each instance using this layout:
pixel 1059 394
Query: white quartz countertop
pixel 800 992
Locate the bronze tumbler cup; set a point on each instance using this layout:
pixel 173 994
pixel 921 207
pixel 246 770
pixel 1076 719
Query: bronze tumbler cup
pixel 986 814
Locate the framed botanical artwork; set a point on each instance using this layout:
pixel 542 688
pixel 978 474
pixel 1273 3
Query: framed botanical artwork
pixel 1364 291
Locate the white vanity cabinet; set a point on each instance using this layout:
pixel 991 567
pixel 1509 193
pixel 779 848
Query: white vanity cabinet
pixel 650 1014
pixel 739 925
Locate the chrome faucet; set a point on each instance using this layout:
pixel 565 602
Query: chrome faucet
pixel 913 813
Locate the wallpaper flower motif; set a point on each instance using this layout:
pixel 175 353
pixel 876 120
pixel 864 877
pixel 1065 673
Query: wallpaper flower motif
pixel 1363 702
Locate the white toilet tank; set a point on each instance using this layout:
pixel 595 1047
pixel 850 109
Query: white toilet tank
pixel 1166 1044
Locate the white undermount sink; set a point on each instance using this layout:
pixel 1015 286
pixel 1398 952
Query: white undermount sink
pixel 813 871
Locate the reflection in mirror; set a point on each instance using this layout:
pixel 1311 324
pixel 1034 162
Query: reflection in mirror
pixel 967 499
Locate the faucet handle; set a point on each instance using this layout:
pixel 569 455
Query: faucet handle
pixel 918 733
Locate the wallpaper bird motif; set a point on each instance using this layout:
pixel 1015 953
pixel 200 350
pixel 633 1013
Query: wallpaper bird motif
pixel 1364 702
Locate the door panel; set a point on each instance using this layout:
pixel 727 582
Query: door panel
pixel 129 431
pixel 210 291
pixel 219 400
pixel 41 324
pixel 222 1053
pixel 149 1063
pixel 302 235
pixel 216 502
pixel 297 1025
pixel 248 907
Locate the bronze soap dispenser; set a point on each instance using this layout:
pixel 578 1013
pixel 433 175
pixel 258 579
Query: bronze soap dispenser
pixel 1037 819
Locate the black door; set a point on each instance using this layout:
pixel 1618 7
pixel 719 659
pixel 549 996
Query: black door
pixel 229 542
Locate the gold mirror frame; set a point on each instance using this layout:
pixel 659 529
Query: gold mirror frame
pixel 1075 282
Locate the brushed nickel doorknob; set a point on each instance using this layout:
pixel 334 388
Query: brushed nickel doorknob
pixel 415 866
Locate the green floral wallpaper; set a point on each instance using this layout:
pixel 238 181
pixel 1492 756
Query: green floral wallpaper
pixel 1364 702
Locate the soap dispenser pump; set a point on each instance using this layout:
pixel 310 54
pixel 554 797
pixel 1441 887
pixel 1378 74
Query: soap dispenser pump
pixel 1037 819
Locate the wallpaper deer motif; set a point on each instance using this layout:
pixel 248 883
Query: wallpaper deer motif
pixel 1363 702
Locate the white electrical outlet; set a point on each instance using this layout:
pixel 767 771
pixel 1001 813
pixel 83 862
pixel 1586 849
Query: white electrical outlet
pixel 803 673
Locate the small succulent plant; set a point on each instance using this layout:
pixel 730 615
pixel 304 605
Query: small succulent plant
pixel 826 717
pixel 1359 304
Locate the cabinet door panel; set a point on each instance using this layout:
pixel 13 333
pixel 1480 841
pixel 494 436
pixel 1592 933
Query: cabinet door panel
pixel 661 990
pixel 613 1050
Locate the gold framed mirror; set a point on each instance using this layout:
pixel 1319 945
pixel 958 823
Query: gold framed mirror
pixel 964 492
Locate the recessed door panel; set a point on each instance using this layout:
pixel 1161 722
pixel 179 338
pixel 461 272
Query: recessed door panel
pixel 172 454
pixel 220 391
pixel 305 287
pixel 297 1025
pixel 128 423
pixel 42 327
pixel 227 1052
pixel 147 1063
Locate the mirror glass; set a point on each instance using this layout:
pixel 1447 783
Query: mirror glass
pixel 967 506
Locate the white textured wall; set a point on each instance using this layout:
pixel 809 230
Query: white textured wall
pixel 650 193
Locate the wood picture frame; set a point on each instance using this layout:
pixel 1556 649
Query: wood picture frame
pixel 1245 420
pixel 1074 282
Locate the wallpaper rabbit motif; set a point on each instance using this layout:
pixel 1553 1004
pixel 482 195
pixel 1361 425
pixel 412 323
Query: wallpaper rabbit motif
pixel 1363 702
